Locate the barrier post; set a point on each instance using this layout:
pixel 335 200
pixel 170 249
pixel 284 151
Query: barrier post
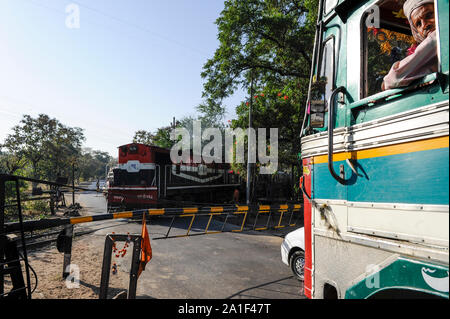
pixel 52 203
pixel 73 183
pixel 14 268
pixel 134 267
pixel 68 234
pixel 106 266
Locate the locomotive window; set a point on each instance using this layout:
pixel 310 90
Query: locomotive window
pixel 391 41
pixel 141 178
pixel 146 177
pixel 133 149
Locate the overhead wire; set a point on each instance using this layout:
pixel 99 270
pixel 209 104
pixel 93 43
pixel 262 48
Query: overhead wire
pixel 141 28
pixel 122 21
pixel 98 134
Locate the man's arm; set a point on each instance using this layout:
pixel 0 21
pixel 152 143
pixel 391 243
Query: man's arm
pixel 413 67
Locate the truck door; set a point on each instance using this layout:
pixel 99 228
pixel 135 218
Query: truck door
pixel 393 134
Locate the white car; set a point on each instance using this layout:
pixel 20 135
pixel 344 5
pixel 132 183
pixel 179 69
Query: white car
pixel 293 252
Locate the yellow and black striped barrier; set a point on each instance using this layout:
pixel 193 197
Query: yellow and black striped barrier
pixel 192 212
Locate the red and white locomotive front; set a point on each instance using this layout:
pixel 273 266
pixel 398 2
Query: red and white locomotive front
pixel 134 181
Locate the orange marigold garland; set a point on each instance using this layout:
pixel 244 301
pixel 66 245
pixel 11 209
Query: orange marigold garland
pixel 119 253
pixel 387 39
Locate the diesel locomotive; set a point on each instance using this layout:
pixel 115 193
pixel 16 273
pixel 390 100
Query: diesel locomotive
pixel 146 177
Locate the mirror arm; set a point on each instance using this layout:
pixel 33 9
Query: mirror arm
pixel 330 133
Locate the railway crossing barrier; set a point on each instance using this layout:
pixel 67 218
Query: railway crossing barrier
pixel 10 256
pixel 281 216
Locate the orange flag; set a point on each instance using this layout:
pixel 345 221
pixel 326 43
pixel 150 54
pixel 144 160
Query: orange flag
pixel 146 249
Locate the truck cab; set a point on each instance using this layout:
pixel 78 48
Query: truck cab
pixel 375 161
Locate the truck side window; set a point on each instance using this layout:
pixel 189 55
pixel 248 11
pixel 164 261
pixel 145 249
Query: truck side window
pixel 390 42
pixel 385 47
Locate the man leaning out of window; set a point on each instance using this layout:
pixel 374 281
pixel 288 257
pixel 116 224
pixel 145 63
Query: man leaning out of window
pixel 423 60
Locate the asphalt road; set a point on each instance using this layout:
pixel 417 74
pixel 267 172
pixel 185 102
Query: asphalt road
pixel 221 266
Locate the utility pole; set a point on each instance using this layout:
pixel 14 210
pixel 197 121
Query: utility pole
pixel 73 183
pixel 249 168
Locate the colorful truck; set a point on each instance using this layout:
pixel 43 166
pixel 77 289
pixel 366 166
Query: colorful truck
pixel 375 162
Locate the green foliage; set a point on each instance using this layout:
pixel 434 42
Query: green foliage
pixel 44 144
pixel 92 164
pixel 44 148
pixel 11 162
pixel 41 206
pixel 269 43
pixel 160 138
pixel 274 38
pixel 10 198
pixel 205 123
pixel 143 137
pixel 64 149
pixel 10 190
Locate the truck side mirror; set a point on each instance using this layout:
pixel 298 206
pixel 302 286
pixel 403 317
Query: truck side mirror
pixel 317 109
pixel 317 104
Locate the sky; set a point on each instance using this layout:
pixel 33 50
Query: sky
pixel 122 66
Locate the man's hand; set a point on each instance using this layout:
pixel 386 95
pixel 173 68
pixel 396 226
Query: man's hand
pixel 396 65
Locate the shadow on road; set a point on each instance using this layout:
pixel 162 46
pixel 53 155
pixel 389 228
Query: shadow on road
pixel 180 225
pixel 112 292
pixel 283 287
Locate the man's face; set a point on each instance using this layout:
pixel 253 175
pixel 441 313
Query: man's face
pixel 423 19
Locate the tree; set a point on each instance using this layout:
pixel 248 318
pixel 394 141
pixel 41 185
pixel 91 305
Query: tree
pixel 43 143
pixel 270 43
pixel 160 138
pixel 64 149
pixel 272 37
pixel 143 137
pixel 92 164
pixel 30 138
pixel 11 162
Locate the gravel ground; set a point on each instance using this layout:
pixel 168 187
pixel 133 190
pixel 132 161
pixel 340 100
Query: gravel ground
pixel 48 264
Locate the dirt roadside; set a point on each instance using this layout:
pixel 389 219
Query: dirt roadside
pixel 48 265
pixel 87 256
